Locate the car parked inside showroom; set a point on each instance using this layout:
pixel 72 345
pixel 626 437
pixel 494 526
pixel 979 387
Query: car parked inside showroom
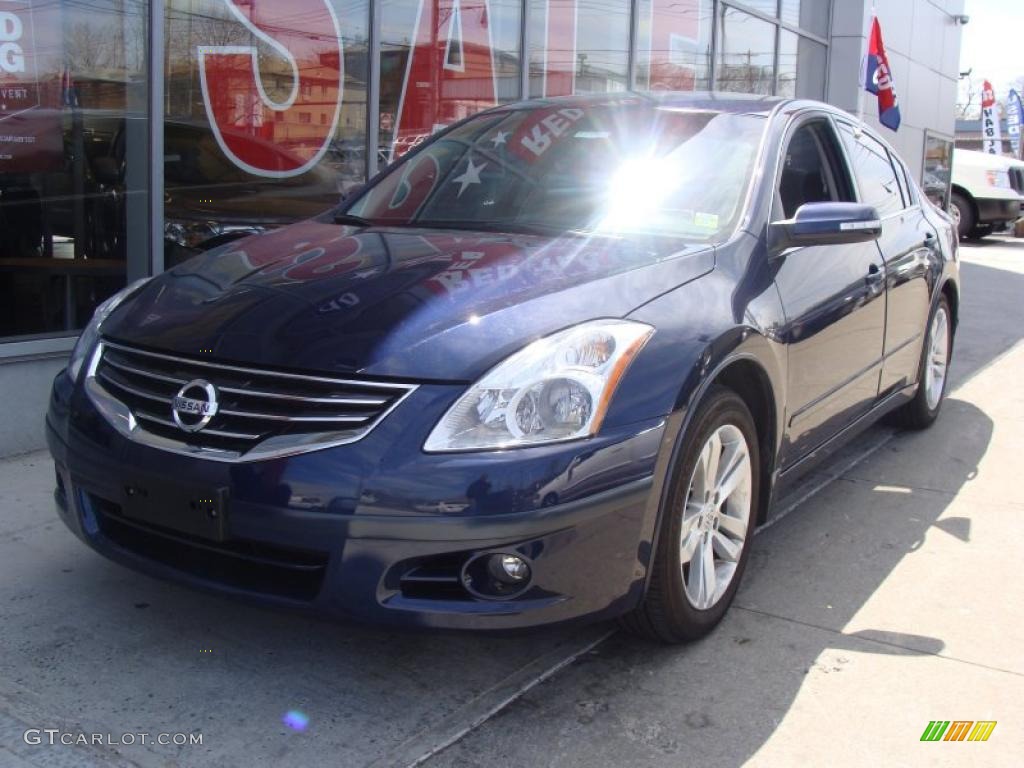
pixel 552 365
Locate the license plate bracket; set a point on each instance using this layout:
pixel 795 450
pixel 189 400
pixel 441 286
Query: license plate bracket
pixel 192 511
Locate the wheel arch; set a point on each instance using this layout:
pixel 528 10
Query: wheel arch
pixel 748 378
pixel 964 193
pixel 745 365
pixel 950 290
pixel 748 371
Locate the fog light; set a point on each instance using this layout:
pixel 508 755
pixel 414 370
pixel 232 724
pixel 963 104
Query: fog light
pixel 508 569
pixel 497 575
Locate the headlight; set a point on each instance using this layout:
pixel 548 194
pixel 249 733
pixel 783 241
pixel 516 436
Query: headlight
pixel 998 179
pixel 557 388
pixel 91 334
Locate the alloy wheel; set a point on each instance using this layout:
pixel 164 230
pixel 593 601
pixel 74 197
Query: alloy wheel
pixel 715 515
pixel 938 358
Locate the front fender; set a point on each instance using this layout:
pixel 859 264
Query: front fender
pixel 695 348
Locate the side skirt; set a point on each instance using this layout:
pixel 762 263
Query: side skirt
pixel 785 479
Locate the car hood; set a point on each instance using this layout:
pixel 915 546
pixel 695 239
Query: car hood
pixel 411 303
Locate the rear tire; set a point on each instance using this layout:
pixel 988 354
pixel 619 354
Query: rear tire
pixel 706 524
pixel 964 214
pixel 933 374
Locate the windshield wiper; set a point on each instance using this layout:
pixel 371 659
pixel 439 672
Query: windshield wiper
pixel 468 225
pixel 352 219
pixel 496 226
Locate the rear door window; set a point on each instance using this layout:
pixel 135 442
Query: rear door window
pixel 908 185
pixel 876 178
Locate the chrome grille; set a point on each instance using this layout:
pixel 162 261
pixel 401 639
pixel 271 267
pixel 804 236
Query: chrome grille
pixel 1017 179
pixel 261 414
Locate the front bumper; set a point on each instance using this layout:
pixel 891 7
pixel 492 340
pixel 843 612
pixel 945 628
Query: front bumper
pixel 383 538
pixel 998 210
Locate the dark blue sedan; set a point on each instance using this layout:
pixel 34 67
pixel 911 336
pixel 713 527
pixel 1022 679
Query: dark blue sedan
pixel 553 364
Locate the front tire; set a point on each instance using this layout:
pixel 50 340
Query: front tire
pixel 706 524
pixel 933 375
pixel 963 214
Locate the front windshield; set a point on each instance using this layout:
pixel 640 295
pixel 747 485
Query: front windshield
pixel 634 168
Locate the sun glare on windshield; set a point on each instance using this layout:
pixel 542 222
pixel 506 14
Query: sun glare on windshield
pixel 603 169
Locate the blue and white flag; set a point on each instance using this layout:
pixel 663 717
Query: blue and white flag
pixel 1014 120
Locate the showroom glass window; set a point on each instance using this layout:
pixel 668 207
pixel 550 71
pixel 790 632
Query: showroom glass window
pixel 811 15
pixel 72 158
pixel 674 45
pixel 772 51
pixel 441 61
pixel 746 53
pixel 767 7
pixel 264 115
pixel 802 66
pixel 578 46
pixel 938 166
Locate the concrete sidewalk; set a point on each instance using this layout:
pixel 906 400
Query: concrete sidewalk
pixel 887 596
pixel 891 598
pixel 89 646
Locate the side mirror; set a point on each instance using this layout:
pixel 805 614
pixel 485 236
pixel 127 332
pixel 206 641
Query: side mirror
pixel 825 224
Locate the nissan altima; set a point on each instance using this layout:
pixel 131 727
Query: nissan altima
pixel 554 364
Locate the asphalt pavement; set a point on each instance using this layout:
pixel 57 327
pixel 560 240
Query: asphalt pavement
pixel 887 594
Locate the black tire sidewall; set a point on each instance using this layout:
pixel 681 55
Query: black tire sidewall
pixel 966 225
pixel 922 394
pixel 720 407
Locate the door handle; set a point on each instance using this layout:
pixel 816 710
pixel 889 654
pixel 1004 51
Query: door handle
pixel 929 238
pixel 874 276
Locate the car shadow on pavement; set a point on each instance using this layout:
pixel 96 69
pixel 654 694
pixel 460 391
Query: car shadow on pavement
pixel 811 602
pixel 991 316
pixel 989 242
pixel 808 606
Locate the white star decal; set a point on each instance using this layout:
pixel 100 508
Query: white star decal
pixel 471 176
pixel 499 138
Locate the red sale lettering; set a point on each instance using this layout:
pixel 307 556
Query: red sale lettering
pixel 675 34
pixel 306 36
pixel 452 54
pixel 560 48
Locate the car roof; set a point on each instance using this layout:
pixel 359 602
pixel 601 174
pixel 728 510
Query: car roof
pixel 704 101
pixel 978 159
pixel 736 103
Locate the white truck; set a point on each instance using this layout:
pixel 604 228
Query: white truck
pixel 986 192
